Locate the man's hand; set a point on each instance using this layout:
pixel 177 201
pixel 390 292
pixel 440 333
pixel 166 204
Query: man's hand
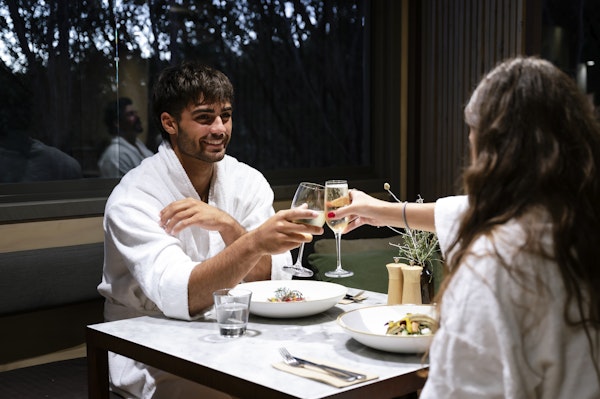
pixel 280 233
pixel 191 212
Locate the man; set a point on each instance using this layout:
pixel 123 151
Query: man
pixel 125 150
pixel 188 221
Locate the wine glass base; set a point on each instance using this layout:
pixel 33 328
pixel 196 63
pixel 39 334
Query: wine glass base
pixel 339 273
pixel 298 272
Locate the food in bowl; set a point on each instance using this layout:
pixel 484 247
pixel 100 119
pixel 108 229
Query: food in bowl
pixel 367 325
pixel 412 324
pixel 284 294
pixel 319 296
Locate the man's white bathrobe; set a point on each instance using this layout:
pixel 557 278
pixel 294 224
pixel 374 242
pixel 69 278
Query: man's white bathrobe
pixel 146 270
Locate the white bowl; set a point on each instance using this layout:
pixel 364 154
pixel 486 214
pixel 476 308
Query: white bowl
pixel 319 296
pixel 367 326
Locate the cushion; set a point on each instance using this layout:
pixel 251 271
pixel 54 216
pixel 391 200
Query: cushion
pixel 327 245
pixel 370 272
pixel 43 278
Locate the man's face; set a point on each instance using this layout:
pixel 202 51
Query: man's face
pixel 204 131
pixel 130 121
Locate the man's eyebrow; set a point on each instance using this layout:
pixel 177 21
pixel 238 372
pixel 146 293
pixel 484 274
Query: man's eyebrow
pixel 202 109
pixel 210 109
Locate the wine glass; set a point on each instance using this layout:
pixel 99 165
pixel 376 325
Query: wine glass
pixel 336 196
pixel 311 194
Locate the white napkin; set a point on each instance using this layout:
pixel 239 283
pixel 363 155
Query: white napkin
pixel 321 375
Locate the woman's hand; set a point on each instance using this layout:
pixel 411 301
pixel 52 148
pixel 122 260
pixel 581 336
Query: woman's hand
pixel 363 209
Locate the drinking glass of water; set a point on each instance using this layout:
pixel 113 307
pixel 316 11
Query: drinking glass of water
pixel 232 307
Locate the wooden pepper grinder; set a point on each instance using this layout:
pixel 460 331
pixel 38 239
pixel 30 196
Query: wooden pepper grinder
pixel 395 282
pixel 411 291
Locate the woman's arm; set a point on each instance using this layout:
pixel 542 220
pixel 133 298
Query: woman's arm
pixel 365 209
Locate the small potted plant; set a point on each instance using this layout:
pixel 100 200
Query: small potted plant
pixel 418 248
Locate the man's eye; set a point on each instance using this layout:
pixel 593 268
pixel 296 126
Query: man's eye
pixel 226 116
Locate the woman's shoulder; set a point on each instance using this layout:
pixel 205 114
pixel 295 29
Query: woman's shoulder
pixel 447 214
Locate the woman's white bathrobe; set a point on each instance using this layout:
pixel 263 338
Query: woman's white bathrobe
pixel 503 335
pixel 146 270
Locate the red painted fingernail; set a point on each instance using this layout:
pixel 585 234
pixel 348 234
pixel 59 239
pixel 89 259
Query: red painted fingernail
pixel 331 215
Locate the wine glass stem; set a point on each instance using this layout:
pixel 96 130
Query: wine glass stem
pixel 300 254
pixel 338 242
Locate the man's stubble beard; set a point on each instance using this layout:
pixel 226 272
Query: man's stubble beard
pixel 189 149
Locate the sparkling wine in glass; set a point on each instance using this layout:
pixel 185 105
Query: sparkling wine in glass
pixel 312 195
pixel 336 196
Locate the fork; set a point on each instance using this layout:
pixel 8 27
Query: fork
pixel 339 373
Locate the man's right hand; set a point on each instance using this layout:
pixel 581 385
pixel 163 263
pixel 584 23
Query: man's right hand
pixel 280 233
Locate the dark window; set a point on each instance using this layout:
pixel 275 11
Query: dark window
pixel 302 71
pixel 571 40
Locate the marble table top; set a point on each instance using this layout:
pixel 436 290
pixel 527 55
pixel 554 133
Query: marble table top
pixel 251 357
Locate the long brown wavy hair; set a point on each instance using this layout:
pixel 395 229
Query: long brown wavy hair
pixel 536 145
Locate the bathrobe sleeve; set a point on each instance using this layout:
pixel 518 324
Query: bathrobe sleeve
pixel 447 215
pixel 147 270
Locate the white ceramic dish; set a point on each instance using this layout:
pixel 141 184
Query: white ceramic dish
pixel 367 326
pixel 319 296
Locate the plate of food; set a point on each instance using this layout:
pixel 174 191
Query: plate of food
pixel 392 328
pixel 292 298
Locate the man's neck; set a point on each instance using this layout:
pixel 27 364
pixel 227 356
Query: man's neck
pixel 200 174
pixel 202 184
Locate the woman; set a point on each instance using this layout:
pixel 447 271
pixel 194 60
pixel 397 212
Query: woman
pixel 520 307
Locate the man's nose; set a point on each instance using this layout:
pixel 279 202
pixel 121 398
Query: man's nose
pixel 218 127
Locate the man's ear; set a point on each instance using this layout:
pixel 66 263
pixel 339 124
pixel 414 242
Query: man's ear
pixel 168 123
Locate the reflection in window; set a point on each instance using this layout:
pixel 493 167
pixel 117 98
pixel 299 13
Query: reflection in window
pixel 125 150
pixel 571 40
pixel 23 156
pixel 299 69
